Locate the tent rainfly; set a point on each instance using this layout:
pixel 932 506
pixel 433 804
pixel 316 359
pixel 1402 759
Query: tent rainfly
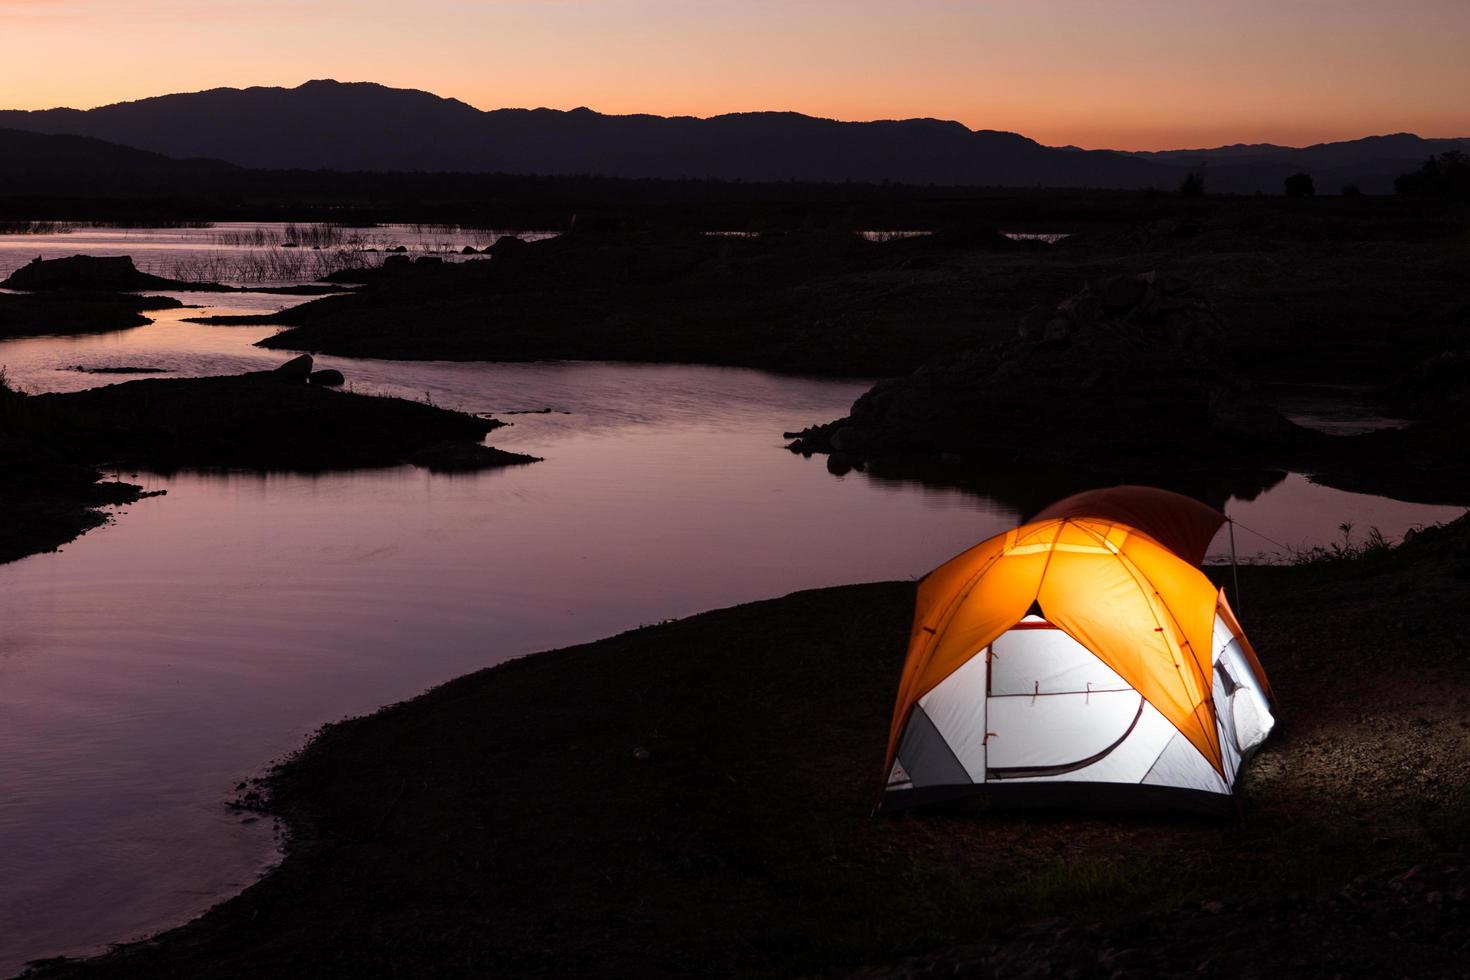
pixel 1080 657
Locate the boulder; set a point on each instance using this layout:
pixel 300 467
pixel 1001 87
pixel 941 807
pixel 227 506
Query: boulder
pixel 848 439
pixel 328 377
pixel 296 369
pixel 508 245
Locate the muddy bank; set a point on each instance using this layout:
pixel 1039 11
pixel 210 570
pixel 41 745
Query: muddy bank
pixel 707 813
pixel 52 445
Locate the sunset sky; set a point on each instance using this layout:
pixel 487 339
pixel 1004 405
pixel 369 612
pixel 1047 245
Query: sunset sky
pixel 1130 74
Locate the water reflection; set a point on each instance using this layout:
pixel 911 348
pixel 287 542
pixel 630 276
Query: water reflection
pixel 244 252
pixel 154 663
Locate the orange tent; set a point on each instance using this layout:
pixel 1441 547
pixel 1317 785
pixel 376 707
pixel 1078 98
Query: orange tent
pixel 1097 616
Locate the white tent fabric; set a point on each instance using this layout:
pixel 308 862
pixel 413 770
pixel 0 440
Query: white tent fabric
pixel 1037 707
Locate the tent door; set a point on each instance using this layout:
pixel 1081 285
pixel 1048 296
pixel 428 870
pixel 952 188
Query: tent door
pixel 1053 735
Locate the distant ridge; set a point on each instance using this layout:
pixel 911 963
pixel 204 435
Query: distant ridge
pixel 28 154
pixel 1371 163
pixel 365 126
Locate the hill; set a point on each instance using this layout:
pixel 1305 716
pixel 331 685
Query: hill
pixel 363 126
pixel 30 154
pixel 1371 163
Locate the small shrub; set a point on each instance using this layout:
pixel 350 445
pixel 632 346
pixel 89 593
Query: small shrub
pixel 1193 184
pixel 1300 185
pixel 1374 543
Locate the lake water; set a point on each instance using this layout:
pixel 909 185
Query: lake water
pixel 151 665
pixel 245 253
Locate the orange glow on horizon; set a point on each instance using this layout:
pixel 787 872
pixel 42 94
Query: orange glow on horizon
pixel 1129 74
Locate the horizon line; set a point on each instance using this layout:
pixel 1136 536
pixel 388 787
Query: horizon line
pixel 743 112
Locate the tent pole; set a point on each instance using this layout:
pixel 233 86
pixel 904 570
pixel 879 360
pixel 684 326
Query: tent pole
pixel 1234 568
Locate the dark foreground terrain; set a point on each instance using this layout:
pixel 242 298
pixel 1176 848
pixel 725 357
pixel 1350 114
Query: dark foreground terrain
pixel 693 799
pixel 52 445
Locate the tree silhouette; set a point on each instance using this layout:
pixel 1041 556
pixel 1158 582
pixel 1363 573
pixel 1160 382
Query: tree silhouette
pixel 1446 175
pixel 1300 185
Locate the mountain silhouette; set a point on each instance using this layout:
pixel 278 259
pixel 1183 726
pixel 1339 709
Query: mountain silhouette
pixel 1371 162
pixel 26 155
pixel 362 126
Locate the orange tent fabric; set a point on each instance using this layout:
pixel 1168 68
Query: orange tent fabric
pixel 1136 604
pixel 1182 524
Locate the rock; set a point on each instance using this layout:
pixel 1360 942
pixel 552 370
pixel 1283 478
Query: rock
pixel 297 368
pixel 1234 416
pixel 469 250
pixel 508 245
pixel 848 439
pixel 1123 293
pixel 329 377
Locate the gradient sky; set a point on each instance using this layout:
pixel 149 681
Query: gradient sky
pixel 1130 74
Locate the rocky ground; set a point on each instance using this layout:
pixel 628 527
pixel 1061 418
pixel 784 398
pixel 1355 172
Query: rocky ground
pixel 1125 382
pixel 1144 348
pixel 51 445
pixel 694 798
pixel 1134 380
pixel 804 302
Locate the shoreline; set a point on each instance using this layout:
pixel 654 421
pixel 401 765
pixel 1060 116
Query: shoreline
pixel 52 446
pixel 595 810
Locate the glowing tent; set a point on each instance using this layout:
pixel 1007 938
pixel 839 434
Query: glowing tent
pixel 1082 655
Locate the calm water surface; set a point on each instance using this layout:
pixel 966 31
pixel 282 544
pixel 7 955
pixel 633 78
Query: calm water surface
pixel 243 252
pixel 153 664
